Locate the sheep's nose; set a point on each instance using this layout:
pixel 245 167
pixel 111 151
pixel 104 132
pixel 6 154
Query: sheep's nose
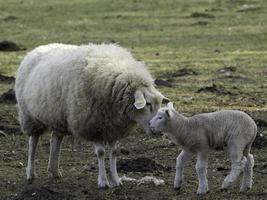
pixel 149 123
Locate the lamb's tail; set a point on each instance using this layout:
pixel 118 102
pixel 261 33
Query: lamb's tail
pixel 248 169
pixel 247 149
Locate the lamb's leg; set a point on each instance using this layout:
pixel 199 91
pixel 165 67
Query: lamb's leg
pixel 30 172
pixel 180 162
pixel 102 176
pixel 113 153
pixel 238 164
pixel 248 173
pixel 55 143
pixel 201 168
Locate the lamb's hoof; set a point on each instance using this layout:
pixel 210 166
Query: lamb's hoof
pixel 200 194
pixel 224 189
pixel 244 189
pixel 202 191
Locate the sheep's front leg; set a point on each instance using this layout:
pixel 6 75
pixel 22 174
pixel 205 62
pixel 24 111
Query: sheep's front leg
pixel 113 153
pixel 201 168
pixel 30 172
pixel 180 162
pixel 102 175
pixel 53 164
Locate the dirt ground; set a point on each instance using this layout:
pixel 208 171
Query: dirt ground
pixel 141 156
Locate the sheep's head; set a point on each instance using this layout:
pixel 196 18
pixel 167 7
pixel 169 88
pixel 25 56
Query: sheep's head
pixel 161 121
pixel 146 103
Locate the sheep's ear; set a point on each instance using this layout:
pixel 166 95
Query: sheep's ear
pixel 140 101
pixel 168 113
pixel 170 105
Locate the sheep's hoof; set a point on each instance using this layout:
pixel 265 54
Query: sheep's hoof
pixel 103 186
pixel 54 174
pixel 224 190
pixel 116 183
pixel 177 188
pixel 30 180
pixel 30 175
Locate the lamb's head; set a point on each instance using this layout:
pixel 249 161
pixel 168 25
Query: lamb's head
pixel 147 101
pixel 162 120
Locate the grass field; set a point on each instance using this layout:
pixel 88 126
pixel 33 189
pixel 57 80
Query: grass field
pixel 211 54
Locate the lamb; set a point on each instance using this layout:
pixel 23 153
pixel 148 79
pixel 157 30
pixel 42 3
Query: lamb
pixel 97 92
pixel 203 132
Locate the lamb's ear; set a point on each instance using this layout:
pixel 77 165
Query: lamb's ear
pixel 169 113
pixel 139 101
pixel 165 100
pixel 170 105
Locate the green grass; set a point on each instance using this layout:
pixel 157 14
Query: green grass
pixel 147 28
pixel 167 37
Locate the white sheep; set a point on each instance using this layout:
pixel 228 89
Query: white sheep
pixel 203 132
pixel 97 92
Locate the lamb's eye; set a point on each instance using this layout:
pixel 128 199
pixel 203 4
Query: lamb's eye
pixel 159 117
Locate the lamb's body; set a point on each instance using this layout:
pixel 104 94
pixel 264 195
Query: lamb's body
pixel 98 92
pixel 215 130
pixel 201 133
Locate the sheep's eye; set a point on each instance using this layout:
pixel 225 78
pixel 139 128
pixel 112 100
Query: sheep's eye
pixel 150 105
pixel 160 117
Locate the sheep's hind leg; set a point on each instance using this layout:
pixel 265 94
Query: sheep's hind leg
pixel 180 162
pixel 30 172
pixel 102 175
pixel 113 153
pixel 201 168
pixel 53 164
pixel 238 164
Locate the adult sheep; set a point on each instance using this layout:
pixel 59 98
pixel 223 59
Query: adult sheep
pixel 97 92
